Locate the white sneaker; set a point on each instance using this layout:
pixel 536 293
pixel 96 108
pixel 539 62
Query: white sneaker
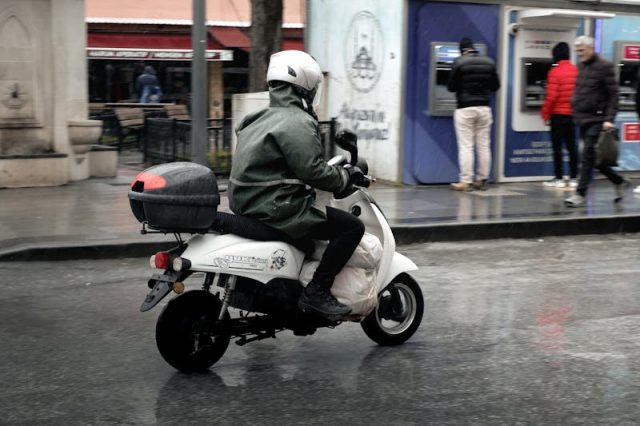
pixel 576 200
pixel 555 183
pixel 573 183
pixel 636 190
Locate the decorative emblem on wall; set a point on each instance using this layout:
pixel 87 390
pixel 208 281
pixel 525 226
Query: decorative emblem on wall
pixel 364 51
pixel 13 97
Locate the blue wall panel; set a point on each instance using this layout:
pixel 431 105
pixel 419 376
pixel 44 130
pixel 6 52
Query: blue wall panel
pixel 430 150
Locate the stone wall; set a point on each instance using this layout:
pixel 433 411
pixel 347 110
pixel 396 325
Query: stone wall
pixel 43 92
pixel 25 86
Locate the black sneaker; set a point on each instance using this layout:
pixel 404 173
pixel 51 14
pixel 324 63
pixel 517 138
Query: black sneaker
pixel 480 185
pixel 320 301
pixel 620 189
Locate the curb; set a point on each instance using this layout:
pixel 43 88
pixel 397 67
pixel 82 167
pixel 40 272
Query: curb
pixel 404 234
pixel 517 229
pixel 84 251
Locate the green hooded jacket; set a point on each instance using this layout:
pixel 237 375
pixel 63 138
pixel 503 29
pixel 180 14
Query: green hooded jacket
pixel 278 153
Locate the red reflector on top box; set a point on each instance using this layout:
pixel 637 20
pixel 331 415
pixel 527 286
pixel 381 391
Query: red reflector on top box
pixel 149 181
pixel 175 197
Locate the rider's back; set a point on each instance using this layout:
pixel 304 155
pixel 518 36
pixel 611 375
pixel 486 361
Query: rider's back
pixel 278 152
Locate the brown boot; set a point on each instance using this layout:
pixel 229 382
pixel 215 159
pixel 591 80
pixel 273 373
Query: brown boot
pixel 480 185
pixel 460 186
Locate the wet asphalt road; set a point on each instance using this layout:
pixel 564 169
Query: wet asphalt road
pixel 516 332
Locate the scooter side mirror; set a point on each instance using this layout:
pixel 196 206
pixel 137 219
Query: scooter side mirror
pixel 348 140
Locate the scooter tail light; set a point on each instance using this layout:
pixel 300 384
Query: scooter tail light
pixel 162 260
pixel 181 264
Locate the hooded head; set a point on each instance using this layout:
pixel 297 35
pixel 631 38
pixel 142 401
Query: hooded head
pixel 466 44
pixel 560 52
pixel 149 70
pixel 301 71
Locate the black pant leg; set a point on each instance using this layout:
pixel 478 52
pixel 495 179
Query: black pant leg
pixel 572 147
pixel 569 137
pixel 614 177
pixel 557 135
pixel 344 232
pixel 590 133
pixel 563 131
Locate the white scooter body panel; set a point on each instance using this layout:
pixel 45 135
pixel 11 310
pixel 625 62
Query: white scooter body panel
pixel 230 254
pixel 264 261
pixel 392 263
pixel 399 264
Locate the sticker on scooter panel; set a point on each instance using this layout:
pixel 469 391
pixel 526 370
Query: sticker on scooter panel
pixel 248 263
pixel 278 260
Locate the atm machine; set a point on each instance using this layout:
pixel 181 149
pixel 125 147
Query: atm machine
pixel 534 82
pixel 627 57
pixel 443 54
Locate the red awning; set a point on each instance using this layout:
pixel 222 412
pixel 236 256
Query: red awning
pixel 231 37
pixel 220 38
pixel 144 41
pixel 237 38
pixel 292 44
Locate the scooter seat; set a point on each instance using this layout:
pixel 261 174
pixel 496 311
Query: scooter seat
pixel 253 229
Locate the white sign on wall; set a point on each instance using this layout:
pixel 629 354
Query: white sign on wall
pixel 359 44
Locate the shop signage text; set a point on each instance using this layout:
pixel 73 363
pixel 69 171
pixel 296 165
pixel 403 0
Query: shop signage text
pixel 156 54
pixel 631 132
pixel 631 52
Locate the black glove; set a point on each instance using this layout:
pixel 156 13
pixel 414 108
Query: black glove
pixel 347 135
pixel 356 176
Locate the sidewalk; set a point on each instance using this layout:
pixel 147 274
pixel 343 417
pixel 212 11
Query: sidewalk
pixel 92 218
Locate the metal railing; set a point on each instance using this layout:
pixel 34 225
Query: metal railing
pixel 165 140
pixel 114 135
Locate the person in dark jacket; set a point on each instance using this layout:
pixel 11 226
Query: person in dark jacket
pixel 595 104
pixel 278 159
pixel 147 86
pixel 473 78
pixel 557 112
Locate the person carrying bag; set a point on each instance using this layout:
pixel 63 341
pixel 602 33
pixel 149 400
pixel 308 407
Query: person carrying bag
pixel 595 105
pixel 607 148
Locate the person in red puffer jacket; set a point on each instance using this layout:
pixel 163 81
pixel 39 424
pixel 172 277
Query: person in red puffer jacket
pixel 557 112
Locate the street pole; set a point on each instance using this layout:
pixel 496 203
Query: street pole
pixel 199 90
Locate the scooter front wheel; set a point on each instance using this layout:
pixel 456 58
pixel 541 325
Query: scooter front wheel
pixel 186 332
pixel 399 312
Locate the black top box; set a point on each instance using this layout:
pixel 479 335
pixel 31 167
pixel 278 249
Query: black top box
pixel 178 196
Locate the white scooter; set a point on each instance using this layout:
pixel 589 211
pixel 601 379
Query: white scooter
pixel 257 270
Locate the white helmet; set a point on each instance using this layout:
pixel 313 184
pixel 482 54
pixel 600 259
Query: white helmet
pixel 299 69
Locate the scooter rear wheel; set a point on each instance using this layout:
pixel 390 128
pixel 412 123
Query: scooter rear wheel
pixel 399 312
pixel 185 332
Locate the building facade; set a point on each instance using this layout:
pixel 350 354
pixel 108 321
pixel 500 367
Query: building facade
pixel 123 37
pixel 388 65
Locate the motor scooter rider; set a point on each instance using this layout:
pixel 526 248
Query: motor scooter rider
pixel 277 163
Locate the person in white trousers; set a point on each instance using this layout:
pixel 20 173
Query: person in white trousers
pixel 473 78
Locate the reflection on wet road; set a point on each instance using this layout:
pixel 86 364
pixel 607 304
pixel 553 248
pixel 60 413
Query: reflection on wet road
pixel 515 332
